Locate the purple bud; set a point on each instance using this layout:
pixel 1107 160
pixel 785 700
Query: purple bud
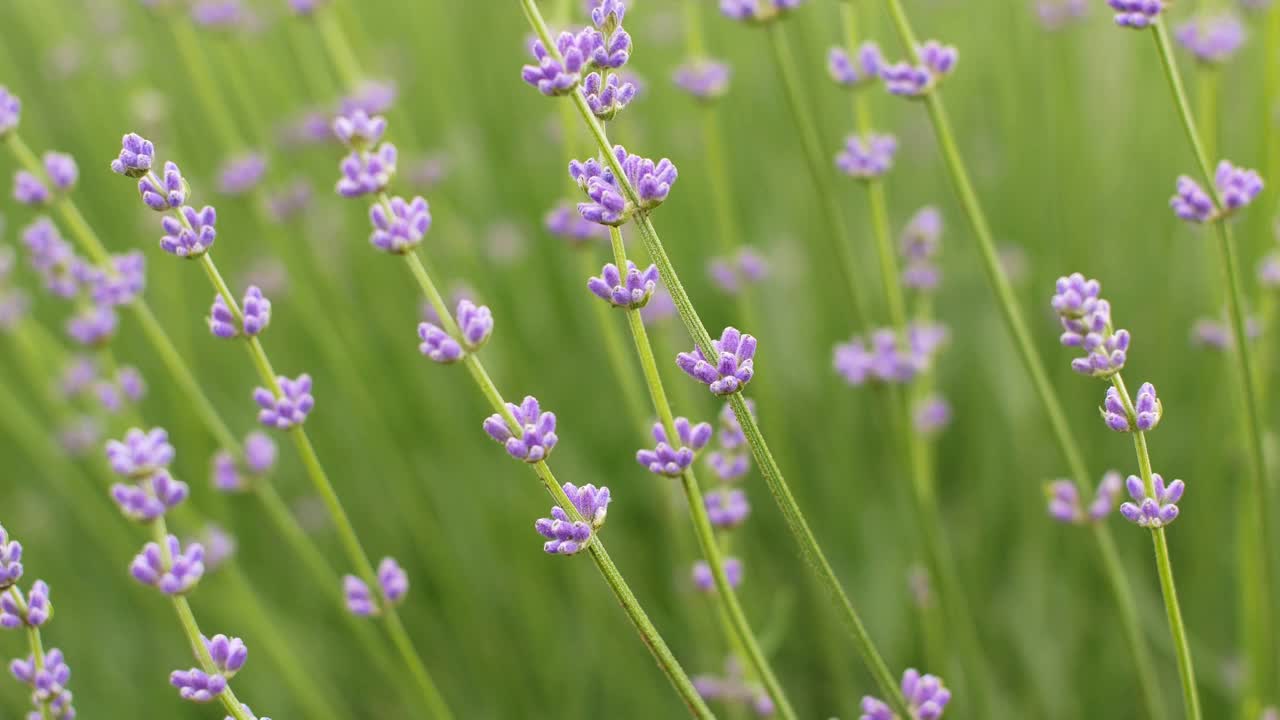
pixel 241 173
pixel 191 233
pixel 704 581
pixel 705 80
pixel 229 654
pixel 174 571
pixel 196 686
pixel 393 581
pixel 140 454
pixel 288 409
pixel 135 158
pixel 359 599
pixel 398 227
pixel 535 437
pixel 10 111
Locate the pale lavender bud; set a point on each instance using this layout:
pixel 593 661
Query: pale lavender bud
pixel 135 158
pixel 668 459
pixel 1104 498
pixel 393 581
pixel 359 130
pixel 62 170
pixel 196 686
pixel 704 79
pixel 175 576
pixel 399 226
pixel 564 221
pixel 1136 14
pixel 52 258
pixel 535 437
pixel 10 560
pixel 167 192
pixel 149 499
pixel 734 365
pixel 359 599
pixel 93 326
pixel 632 292
pixel 867 157
pixel 371 96
pixel 726 508
pixel 191 235
pixel 120 286
pixel 565 536
pixel 925 695
pixel 140 454
pixel 552 76
pixel 28 189
pixel 607 98
pixel 933 413
pixel 33 611
pixel 858 70
pixel 290 408
pixel 241 173
pixel 367 172
pixel 1154 511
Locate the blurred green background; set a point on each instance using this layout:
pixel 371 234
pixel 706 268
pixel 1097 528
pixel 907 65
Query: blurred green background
pixel 1074 146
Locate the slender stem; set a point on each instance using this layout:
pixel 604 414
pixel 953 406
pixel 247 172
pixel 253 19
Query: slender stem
pixel 36 645
pixel 1263 644
pixel 615 350
pixel 1182 647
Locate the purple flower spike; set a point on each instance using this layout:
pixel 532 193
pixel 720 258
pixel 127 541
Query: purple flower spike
pixel 289 409
pixel 704 79
pixel 1064 500
pixel 1192 203
pixel 857 71
pixel 438 345
pixel 671 461
pixel 932 415
pixel 49 684
pixel 1152 511
pixel 229 654
pixel 565 536
pixel 191 234
pixel 367 173
pixel 1086 324
pixel 906 80
pixel 28 189
pixel 867 157
pixel 255 310
pixel 560 76
pixel 140 454
pixel 121 287
pixel 136 155
pixel 536 437
pixel 10 111
pixel 884 358
pixel 757 11
pixel 607 15
pixel 925 696
pixel 241 173
pixel 196 686
pixel 359 599
pixel 151 498
pixel 1237 186
pixel 166 192
pixel 358 130
pixel 398 227
pixel 93 326
pixel 727 508
pixel 175 576
pixel 62 170
pixel 607 98
pixel 651 181
pixel 393 581
pixel 1147 408
pixel 33 611
pixel 475 323
pixel 10 560
pixel 940 59
pixel 706 582
pixel 1213 39
pixel 1136 14
pixel 632 292
pixel 734 366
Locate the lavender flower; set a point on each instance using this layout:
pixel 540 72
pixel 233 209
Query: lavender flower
pixel 534 438
pixel 1064 500
pixel 52 258
pixel 733 274
pixel 290 408
pixel 135 158
pixel 1086 324
pixel 611 44
pixel 49 685
pixel 151 498
pixel 704 79
pixel 229 654
pixel 565 222
pixel 367 172
pixel 196 686
pixel 607 98
pixel 884 357
pixel 255 313
pixel 10 560
pixel 10 111
pixel 932 414
pixel 925 696
pixel 359 130
pixel 651 181
pixel 393 581
pixel 727 508
pixel 475 322
pixel 140 454
pixel 93 326
pixel 734 365
pixel 191 234
pixel 1237 187
pixel 173 571
pixel 554 76
pixel 670 461
pixel 1148 410
pixel 630 293
pixel 241 173
pixel 705 581
pixel 398 226
pixel 566 536
pixel 914 81
pixel 757 11
pixel 33 610
pixel 28 190
pixel 1136 14
pixel 1152 511
pixel 1212 40
pixel 121 284
pixel 858 70
pixel 359 599
pixel 867 157
pixel 259 458
pixel 163 193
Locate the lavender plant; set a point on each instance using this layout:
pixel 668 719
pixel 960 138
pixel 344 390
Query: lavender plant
pixel 45 672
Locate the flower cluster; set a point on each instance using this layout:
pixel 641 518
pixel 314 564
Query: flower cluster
pixel 188 232
pixel 1147 410
pixel 632 292
pixel 936 61
pixel 61 171
pixel 231 475
pixel 393 583
pixel 925 695
pixel 170 568
pixel 1156 510
pixel 735 273
pixel 565 222
pixel 287 405
pixel 369 167
pixel 60 269
pixel 886 356
pixel 706 582
pixel 566 536
pixel 10 560
pixel 475 325
pixel 868 156
pixel 399 225
pixel 533 436
pixel 733 365
pixel 1136 14
pixel 143 459
pixel 241 173
pixel 1237 187
pixel 1086 324
pixel 253 315
pixel 10 111
pixel 669 459
pixel 919 244
pixel 858 70
pixel 651 182
pixel 704 79
pixel 48 675
pixel 1065 502
pixel 1212 40
pixel 48 681
pixel 757 11
pixel 560 72
pixel 731 459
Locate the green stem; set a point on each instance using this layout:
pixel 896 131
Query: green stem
pixel 36 645
pixel 339 50
pixel 615 351
pixel 1182 647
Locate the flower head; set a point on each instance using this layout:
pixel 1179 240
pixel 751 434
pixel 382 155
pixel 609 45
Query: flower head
pixel 359 600
pixel 1136 14
pixel 1236 186
pixel 1152 511
pixel 757 11
pixel 535 435
pixel 908 80
pixel 866 157
pixel 140 454
pixel 1147 410
pixel 33 610
pixel 399 226
pixel 670 459
pixel 93 325
pixel 10 560
pixel 359 130
pixel 196 686
pixel 367 172
pixel 49 684
pixel 560 75
pixel 1064 500
pixel 167 192
pixel 565 536
pixel 290 408
pixel 136 156
pixel 10 111
pixel 255 315
pixel 475 324
pixel 191 234
pixel 122 283
pixel 733 366
pixel 727 508
pixel 241 173
pixel 854 71
pixel 704 79
pixel 705 581
pixel 632 292
pixel 151 498
pixel 609 204
pixel 28 189
pixel 229 654
pixel 925 696
pixel 1086 324
pixel 393 581
pixel 607 98
pixel 173 570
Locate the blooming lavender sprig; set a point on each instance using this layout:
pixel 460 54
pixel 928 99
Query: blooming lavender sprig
pixel 367 172
pixel 48 685
pixel 191 233
pixel 553 77
pixel 925 695
pixel 1213 39
pixel 734 365
pixel 136 156
pixel 1152 511
pixel 359 130
pixel 856 71
pixel 1086 324
pixel 919 246
pixel 609 205
pixel 705 581
pixel 149 499
pixel 290 408
pixel 611 43
pixel 1238 187
pixel 669 460
pixel 32 610
pixel 399 225
pixel 1147 409
pixel 868 156
pixel 1136 14
pixel 10 111
pixel 197 686
pixel 93 325
pixel 757 11
pixel 915 81
pixel 61 271
pixel 173 570
pixel 140 454
pixel 535 435
pixel 1065 502
pixel 705 79
pixel 475 323
pixel 632 292
pixel 727 508
pixel 883 357
pixel 260 453
pixel 567 537
pixel 10 559
pixel 167 192
pixel 255 316
pixel 607 97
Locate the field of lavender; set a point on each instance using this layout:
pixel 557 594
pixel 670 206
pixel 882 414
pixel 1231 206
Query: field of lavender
pixel 373 421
